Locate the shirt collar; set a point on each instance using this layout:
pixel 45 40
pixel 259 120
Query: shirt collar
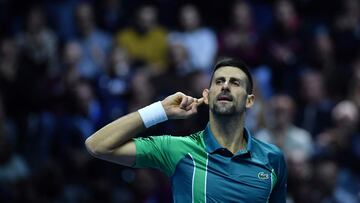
pixel 212 144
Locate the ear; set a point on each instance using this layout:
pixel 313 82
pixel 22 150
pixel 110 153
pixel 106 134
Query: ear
pixel 205 95
pixel 250 100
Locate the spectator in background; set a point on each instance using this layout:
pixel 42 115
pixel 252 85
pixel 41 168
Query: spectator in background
pixel 83 116
pixel 179 60
pixel 354 85
pixel 346 30
pixel 179 68
pixel 322 53
pixel 282 132
pixel 13 167
pixel 36 62
pixel 343 138
pixel 38 44
pixel 300 169
pixel 315 108
pixel 72 55
pixel 149 186
pixel 200 42
pixel 113 86
pixel 331 184
pixel 95 44
pixel 61 17
pixel 142 91
pixel 284 46
pixel 112 14
pixel 241 39
pixel 341 143
pixel 8 63
pixel 325 179
pixel 7 127
pixel 9 66
pixel 145 41
pixel 71 58
pixel 255 117
pixel 322 56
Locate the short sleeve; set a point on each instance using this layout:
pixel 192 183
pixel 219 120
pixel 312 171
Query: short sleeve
pixel 156 152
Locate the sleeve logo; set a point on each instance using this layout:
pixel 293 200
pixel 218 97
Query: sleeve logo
pixel 263 176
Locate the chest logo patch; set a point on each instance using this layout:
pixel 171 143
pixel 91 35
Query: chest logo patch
pixel 263 176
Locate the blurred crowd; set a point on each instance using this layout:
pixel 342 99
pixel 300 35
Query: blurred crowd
pixel 68 67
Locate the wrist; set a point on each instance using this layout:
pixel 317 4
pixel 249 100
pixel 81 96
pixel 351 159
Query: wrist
pixel 153 114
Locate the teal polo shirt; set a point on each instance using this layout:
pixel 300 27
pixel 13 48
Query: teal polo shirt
pixel 203 171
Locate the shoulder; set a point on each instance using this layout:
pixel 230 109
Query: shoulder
pixel 169 140
pixel 192 140
pixel 269 151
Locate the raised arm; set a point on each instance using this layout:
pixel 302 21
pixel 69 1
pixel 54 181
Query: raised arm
pixel 114 141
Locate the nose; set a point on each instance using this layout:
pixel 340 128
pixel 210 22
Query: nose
pixel 225 86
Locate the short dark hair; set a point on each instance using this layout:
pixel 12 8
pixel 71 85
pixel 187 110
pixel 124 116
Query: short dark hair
pixel 238 64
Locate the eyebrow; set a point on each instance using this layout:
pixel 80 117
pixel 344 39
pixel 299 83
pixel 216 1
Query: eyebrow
pixel 231 79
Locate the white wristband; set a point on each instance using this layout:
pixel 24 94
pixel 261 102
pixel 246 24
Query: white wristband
pixel 153 114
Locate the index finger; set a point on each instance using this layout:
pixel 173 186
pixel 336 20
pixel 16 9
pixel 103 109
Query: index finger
pixel 199 101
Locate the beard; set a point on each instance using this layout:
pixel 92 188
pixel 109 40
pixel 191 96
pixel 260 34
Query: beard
pixel 228 108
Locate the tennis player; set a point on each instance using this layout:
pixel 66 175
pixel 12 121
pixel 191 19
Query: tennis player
pixel 222 163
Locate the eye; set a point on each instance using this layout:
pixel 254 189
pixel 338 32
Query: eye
pixel 236 83
pixel 219 81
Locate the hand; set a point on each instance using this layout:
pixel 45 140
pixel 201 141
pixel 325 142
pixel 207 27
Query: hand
pixel 181 106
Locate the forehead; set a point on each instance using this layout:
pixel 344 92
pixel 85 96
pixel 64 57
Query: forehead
pixel 229 71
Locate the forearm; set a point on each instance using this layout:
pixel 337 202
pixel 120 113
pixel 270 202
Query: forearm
pixel 115 134
pixel 114 141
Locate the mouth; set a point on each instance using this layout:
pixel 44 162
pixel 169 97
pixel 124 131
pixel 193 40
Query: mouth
pixel 225 97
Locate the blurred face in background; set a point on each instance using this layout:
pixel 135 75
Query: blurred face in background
pixel 345 114
pixel 189 17
pixel 312 87
pixel 326 174
pixel 72 53
pixel 178 54
pixel 299 165
pixel 119 62
pixel 9 56
pixel 85 19
pixel 282 110
pixel 323 43
pixel 242 16
pixel 146 17
pixel 352 7
pixel 35 20
pixel 285 14
pixel 84 96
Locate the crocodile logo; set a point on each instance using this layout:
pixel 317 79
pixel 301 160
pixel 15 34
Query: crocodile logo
pixel 263 176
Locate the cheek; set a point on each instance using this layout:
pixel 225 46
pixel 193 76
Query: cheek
pixel 242 100
pixel 211 96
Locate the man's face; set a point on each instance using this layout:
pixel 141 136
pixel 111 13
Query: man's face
pixel 227 94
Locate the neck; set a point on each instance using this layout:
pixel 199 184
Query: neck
pixel 228 131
